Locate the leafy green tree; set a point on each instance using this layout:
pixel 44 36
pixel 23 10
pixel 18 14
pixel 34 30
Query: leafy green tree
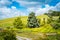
pixel 53 13
pixel 59 19
pixel 44 20
pixel 32 21
pixel 18 23
pixel 51 21
pixel 39 21
pixel 55 24
pixel 48 21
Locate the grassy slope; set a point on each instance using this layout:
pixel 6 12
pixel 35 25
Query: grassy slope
pixel 46 28
pixel 27 32
pixel 9 21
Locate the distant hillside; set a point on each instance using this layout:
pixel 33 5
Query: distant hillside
pixel 9 21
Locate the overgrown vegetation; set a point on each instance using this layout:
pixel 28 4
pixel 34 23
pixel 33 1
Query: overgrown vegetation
pixel 18 23
pixel 32 26
pixel 54 22
pixel 7 35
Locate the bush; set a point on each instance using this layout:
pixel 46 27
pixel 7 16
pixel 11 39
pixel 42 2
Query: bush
pixel 58 36
pixel 7 35
pixel 55 25
pixel 18 23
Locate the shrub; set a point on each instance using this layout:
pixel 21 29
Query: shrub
pixel 18 23
pixel 58 36
pixel 7 35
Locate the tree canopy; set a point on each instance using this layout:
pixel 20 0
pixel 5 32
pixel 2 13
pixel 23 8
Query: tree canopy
pixel 32 21
pixel 18 23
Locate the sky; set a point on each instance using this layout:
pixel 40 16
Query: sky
pixel 13 8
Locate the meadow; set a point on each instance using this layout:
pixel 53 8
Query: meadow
pixel 34 33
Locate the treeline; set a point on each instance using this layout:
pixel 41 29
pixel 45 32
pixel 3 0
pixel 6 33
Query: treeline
pixel 55 23
pixel 33 22
pixel 53 13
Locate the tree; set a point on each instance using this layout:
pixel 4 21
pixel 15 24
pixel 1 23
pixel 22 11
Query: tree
pixel 59 19
pixel 56 23
pixel 53 13
pixel 18 23
pixel 32 21
pixel 39 21
pixel 44 20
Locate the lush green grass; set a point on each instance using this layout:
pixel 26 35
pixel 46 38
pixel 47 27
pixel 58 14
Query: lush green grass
pixel 45 28
pixel 29 32
pixel 9 21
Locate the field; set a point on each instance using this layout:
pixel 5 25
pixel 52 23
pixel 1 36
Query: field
pixel 30 32
pixel 9 21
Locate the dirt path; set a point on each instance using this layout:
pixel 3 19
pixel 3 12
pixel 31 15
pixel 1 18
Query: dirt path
pixel 22 38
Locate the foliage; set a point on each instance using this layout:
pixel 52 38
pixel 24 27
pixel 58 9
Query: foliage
pixel 49 21
pixel 53 13
pixel 7 35
pixel 39 22
pixel 9 22
pixel 58 19
pixel 18 23
pixel 44 20
pixel 55 23
pixel 58 36
pixel 32 21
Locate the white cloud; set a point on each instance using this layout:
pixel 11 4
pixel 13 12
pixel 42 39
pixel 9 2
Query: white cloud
pixel 39 10
pixel 10 12
pixel 13 7
pixel 4 2
pixel 31 6
pixel 48 1
pixel 27 3
pixel 36 6
pixel 57 7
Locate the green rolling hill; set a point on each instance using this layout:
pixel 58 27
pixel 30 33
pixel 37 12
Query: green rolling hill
pixel 9 21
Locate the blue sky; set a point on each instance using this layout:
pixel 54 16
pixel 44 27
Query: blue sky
pixel 13 8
